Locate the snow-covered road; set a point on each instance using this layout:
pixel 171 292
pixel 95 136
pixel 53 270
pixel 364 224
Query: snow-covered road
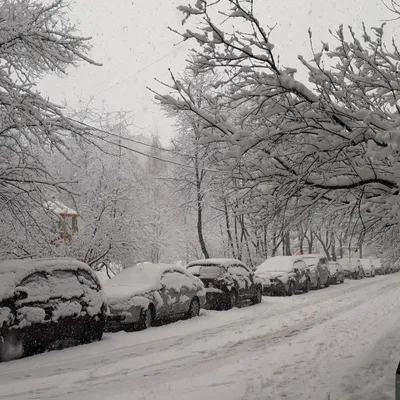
pixel 341 341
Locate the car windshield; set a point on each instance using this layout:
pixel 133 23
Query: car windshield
pixel 206 271
pixel 310 261
pixel 276 264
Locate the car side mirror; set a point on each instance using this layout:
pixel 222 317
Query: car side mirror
pixel 20 294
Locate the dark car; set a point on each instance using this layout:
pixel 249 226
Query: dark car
pixel 284 275
pixel 319 271
pixel 47 302
pixel 336 272
pixel 141 294
pixel 228 282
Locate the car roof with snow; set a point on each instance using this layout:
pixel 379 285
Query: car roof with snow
pixel 224 262
pixel 12 272
pixel 140 279
pixel 349 264
pixel 312 259
pixel 278 263
pixel 365 262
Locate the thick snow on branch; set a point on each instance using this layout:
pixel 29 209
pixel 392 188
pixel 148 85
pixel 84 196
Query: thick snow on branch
pixel 333 140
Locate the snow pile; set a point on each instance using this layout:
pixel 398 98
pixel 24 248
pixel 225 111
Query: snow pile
pixel 66 309
pixel 30 315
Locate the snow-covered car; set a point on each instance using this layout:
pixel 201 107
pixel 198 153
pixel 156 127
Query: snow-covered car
pixel 46 302
pixel 379 270
pixel 284 275
pixel 228 282
pixel 352 268
pixel 143 293
pixel 368 267
pixel 319 271
pixel 396 267
pixel 336 272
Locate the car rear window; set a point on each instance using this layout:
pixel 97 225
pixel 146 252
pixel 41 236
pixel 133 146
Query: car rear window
pixel 206 271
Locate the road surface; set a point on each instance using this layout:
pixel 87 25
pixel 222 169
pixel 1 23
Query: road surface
pixel 339 343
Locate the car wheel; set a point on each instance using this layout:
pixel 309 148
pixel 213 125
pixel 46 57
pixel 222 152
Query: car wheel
pixel 232 300
pixel 145 319
pixel 11 348
pixel 194 308
pixel 257 299
pixel 290 289
pixel 308 286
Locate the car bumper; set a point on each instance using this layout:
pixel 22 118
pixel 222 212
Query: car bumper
pixel 275 288
pixel 117 319
pixel 214 298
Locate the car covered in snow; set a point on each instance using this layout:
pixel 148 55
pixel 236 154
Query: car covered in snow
pixel 379 269
pixel 352 268
pixel 368 267
pixel 228 282
pixel 284 275
pixel 336 272
pixel 139 295
pixel 45 303
pixel 319 271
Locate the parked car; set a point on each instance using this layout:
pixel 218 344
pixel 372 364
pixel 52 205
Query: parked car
pixel 139 295
pixel 228 282
pixel 387 267
pixel 396 267
pixel 336 272
pixel 352 268
pixel 284 275
pixel 368 267
pixel 46 302
pixel 379 270
pixel 319 271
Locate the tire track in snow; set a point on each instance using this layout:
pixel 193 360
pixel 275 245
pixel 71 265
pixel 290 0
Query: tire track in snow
pixel 136 365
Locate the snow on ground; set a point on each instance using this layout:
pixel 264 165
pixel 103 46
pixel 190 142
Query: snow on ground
pixel 341 340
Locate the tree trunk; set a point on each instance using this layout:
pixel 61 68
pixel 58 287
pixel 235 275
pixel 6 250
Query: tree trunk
pixel 286 242
pixel 228 229
pixel 333 247
pixel 341 246
pixel 274 246
pixel 200 210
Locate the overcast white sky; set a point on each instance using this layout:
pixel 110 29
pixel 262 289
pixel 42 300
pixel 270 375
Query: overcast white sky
pixel 129 36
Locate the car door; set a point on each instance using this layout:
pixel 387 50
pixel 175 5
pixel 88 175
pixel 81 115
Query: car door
pixel 241 284
pixel 249 288
pixel 172 283
pixel 301 274
pixel 323 270
pixel 187 290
